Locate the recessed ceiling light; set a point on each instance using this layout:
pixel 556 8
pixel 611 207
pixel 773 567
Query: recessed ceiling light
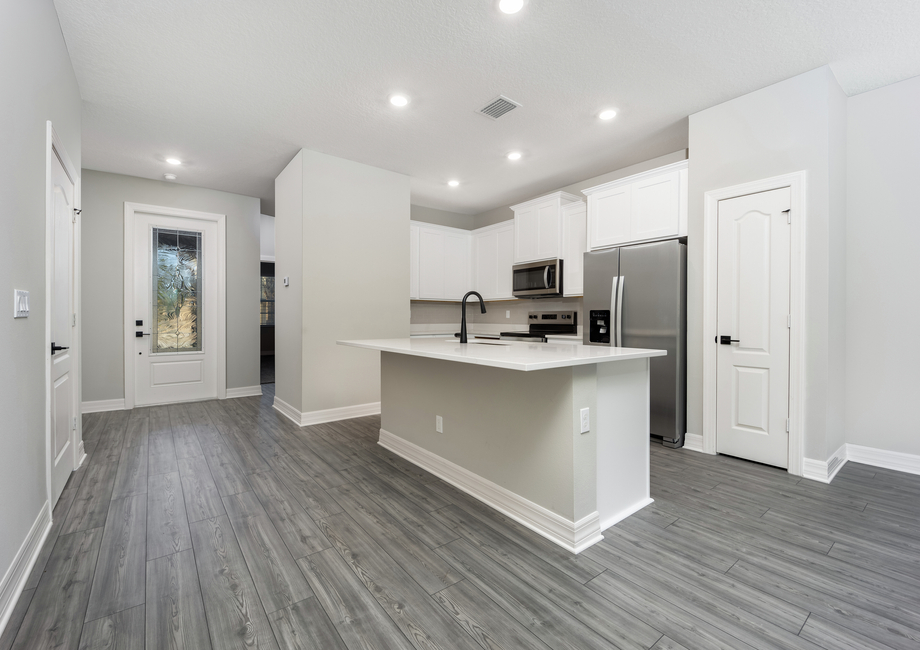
pixel 174 161
pixel 453 183
pixel 608 114
pixel 169 177
pixel 510 6
pixel 514 155
pixel 399 100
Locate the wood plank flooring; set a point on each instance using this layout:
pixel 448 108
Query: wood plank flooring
pixel 222 525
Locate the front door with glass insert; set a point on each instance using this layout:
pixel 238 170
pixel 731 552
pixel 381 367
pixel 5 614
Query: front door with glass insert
pixel 174 279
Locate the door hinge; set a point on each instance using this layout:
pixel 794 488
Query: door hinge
pixel 74 323
pixel 788 215
pixel 787 425
pixel 75 424
pixel 789 320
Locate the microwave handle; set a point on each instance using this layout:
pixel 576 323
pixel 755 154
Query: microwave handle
pixel 546 277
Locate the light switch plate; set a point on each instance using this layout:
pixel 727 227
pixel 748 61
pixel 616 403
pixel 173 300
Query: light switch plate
pixel 286 281
pixel 585 420
pixel 20 303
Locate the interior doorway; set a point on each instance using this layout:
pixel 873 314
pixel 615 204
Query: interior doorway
pixel 175 305
pixel 267 324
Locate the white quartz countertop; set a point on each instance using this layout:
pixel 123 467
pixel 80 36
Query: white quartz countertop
pixel 512 355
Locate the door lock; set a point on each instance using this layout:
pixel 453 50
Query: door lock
pixel 727 340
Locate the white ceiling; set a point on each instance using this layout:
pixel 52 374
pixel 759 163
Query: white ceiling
pixel 237 87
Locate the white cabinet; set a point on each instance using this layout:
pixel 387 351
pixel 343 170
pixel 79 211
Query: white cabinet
pixel 645 207
pixel 574 246
pixel 443 268
pixel 493 257
pixel 413 261
pixel 538 227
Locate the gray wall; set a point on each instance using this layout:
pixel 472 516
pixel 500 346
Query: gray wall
pixel 355 260
pixel 790 126
pixel 104 198
pixel 441 217
pixel 497 215
pixel 38 85
pixel 883 268
pixel 289 300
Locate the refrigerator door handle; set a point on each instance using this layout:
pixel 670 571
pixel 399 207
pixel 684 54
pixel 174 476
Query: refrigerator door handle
pixel 612 325
pixel 621 284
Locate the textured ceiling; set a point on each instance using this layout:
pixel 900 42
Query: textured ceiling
pixel 237 87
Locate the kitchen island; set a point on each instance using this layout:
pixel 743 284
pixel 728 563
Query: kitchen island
pixel 510 415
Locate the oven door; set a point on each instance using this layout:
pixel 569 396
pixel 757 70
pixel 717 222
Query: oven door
pixel 537 279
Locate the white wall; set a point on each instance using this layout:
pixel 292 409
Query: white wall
pixel 38 84
pixel 104 198
pixel 267 238
pixel 354 222
pixel 883 268
pixel 787 127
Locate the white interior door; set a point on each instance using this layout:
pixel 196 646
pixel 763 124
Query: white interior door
pixel 753 310
pixel 175 309
pixel 63 377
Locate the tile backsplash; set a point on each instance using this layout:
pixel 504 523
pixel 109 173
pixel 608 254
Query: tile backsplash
pixel 425 313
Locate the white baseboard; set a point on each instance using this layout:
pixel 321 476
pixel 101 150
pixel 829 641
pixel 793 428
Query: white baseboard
pixel 825 470
pixel 245 391
pixel 574 536
pixel 327 415
pixel 693 442
pixel 623 514
pixel 18 572
pixel 895 460
pixel 103 405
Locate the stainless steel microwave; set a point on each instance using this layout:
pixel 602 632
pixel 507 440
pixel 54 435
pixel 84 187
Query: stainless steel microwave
pixel 537 279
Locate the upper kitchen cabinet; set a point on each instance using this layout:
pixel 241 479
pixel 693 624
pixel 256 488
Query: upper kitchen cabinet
pixel 538 227
pixel 493 257
pixel 645 207
pixel 574 247
pixel 443 268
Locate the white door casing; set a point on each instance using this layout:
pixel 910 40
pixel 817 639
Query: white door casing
pixel 64 448
pixel 154 375
pixel 753 311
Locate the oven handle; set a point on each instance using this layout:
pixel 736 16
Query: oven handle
pixel 546 277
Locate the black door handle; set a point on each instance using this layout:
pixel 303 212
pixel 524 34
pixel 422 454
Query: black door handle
pixel 56 348
pixel 141 335
pixel 728 340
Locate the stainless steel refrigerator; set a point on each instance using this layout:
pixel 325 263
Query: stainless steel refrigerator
pixel 636 297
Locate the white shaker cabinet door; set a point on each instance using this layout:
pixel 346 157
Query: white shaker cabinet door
pixel 504 261
pixel 655 207
pixel 549 231
pixel 484 264
pixel 457 253
pixel 413 262
pixel 575 243
pixel 609 215
pixel 526 234
pixel 431 264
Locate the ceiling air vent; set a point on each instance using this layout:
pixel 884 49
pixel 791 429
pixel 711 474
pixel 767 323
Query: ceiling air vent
pixel 498 107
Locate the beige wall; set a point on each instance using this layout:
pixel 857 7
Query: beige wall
pixel 354 284
pixel 790 126
pixel 504 213
pixel 883 268
pixel 104 198
pixel 441 217
pixel 38 85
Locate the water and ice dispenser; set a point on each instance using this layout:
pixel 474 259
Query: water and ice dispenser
pixel 600 326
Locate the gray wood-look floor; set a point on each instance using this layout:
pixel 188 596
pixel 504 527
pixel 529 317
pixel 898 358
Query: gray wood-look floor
pixel 222 525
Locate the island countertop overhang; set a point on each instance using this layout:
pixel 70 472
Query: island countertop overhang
pixel 511 355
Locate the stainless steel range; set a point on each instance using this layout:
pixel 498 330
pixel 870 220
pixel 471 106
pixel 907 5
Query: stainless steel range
pixel 542 323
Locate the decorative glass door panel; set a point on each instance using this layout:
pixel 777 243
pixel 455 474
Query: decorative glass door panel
pixel 176 310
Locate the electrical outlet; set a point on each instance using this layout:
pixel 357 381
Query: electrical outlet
pixel 438 424
pixel 585 420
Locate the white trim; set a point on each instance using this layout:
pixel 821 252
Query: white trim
pixel 825 471
pixel 19 570
pixel 328 415
pixel 796 182
pixel 221 298
pixel 555 196
pixel 267 258
pixel 574 536
pixel 651 173
pixel 54 147
pixel 693 442
pixel 244 391
pixel 101 405
pixel 623 514
pixel 895 460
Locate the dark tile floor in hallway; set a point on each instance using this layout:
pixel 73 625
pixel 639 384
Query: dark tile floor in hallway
pixel 223 525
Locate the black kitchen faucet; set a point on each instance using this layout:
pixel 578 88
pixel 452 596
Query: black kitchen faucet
pixel 482 305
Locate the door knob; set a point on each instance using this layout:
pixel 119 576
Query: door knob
pixel 57 348
pixel 728 340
